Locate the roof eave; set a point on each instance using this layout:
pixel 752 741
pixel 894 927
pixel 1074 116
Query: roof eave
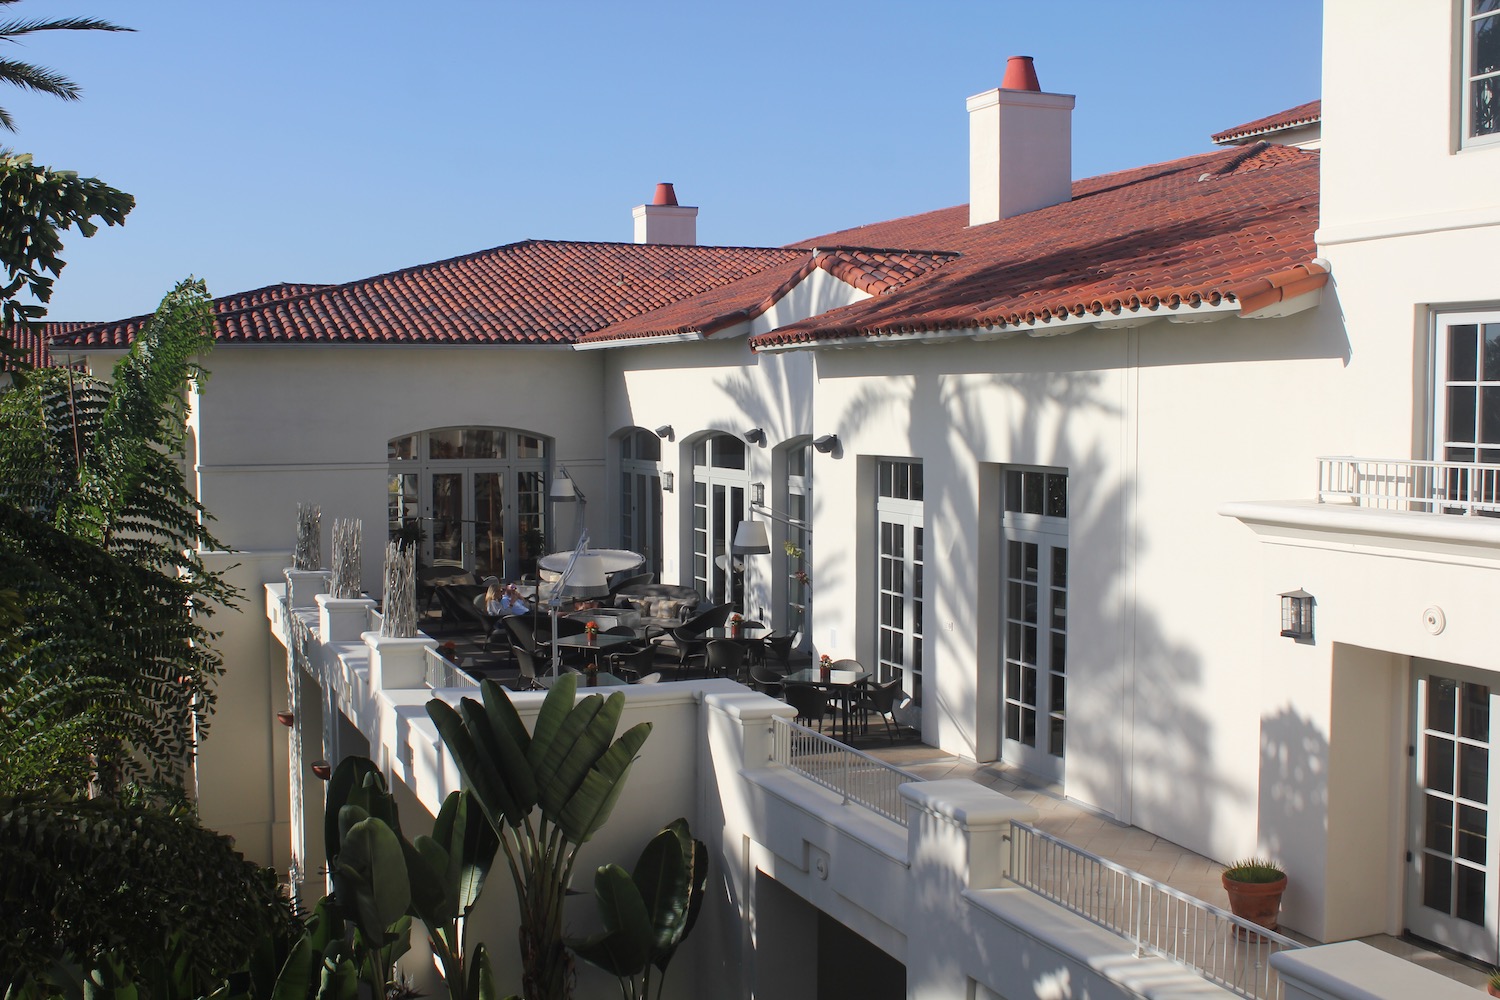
pixel 662 338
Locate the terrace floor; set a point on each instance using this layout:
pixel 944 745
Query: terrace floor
pixel 1134 848
pixel 1137 849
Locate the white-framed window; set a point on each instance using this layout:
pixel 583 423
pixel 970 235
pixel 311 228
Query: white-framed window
pixel 797 552
pixel 640 496
pixel 470 497
pixel 1035 614
pixel 1466 391
pixel 899 556
pixel 1481 71
pixel 720 485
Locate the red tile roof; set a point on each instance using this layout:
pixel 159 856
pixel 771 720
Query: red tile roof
pixel 534 292
pixel 1302 114
pixel 1206 228
pixel 871 271
pixel 33 342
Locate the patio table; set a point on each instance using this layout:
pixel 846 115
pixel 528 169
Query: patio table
pixel 606 679
pixel 841 685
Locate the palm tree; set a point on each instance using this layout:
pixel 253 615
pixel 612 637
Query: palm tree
pixel 39 78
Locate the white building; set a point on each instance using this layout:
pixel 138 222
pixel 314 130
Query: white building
pixel 1051 459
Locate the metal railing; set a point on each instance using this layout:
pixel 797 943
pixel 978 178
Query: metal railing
pixel 442 672
pixel 1405 484
pixel 1220 947
pixel 858 777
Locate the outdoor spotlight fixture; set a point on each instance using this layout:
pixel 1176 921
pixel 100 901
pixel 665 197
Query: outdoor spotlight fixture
pixel 826 443
pixel 664 431
pixel 667 479
pixel 322 769
pixel 286 719
pixel 757 494
pixel 755 435
pixel 1297 615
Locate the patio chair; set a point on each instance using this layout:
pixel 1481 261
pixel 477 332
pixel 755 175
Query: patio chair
pixel 765 680
pixel 723 658
pixel 527 681
pixel 688 637
pixel 810 703
pixel 880 699
pixel 632 663
pixel 780 647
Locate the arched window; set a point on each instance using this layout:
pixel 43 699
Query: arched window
pixel 472 497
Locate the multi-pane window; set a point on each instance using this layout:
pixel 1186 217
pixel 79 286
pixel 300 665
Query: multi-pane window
pixel 1481 68
pixel 640 496
pixel 899 556
pixel 1467 421
pixel 470 496
pixel 798 538
pixel 1035 615
pixel 719 487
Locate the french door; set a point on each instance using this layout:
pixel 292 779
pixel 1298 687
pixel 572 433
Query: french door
pixel 1034 617
pixel 1451 890
pixel 468 519
pixel 901 555
pixel 720 484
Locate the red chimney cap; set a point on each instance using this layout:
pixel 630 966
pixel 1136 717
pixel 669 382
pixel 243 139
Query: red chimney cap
pixel 1020 74
pixel 664 195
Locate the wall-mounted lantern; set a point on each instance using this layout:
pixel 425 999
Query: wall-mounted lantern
pixel 1297 615
pixel 758 494
pixel 667 479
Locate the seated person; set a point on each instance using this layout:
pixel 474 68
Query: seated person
pixel 504 600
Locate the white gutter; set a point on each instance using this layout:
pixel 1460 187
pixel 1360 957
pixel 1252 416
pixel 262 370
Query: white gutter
pixel 665 338
pixel 1201 313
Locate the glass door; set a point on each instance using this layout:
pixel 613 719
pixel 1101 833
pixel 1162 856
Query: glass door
pixel 900 556
pixel 488 496
pixel 1452 859
pixel 446 511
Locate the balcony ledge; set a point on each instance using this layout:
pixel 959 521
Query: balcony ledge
pixel 1309 522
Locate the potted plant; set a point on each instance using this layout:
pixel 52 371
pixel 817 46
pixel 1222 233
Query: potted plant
pixel 1492 984
pixel 1255 887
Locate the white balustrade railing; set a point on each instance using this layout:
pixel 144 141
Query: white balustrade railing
pixel 1222 948
pixel 858 777
pixel 442 672
pixel 1410 485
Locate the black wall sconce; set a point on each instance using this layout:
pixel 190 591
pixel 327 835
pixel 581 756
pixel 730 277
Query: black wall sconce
pixel 826 443
pixel 755 435
pixel 757 494
pixel 664 431
pixel 1297 615
pixel 667 479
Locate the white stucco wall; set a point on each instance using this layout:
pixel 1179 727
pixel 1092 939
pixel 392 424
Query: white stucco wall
pixel 1156 426
pixel 279 425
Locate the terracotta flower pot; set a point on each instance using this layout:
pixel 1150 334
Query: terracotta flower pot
pixel 1492 989
pixel 1258 902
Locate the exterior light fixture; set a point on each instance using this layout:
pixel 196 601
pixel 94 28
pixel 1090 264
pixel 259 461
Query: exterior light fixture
pixel 664 431
pixel 563 489
pixel 667 479
pixel 827 443
pixel 758 494
pixel 755 435
pixel 750 539
pixel 286 719
pixel 322 769
pixel 1297 615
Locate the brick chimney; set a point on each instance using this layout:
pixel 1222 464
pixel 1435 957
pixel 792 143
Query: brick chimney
pixel 1020 146
pixel 665 221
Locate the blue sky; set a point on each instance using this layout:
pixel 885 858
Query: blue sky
pixel 330 140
